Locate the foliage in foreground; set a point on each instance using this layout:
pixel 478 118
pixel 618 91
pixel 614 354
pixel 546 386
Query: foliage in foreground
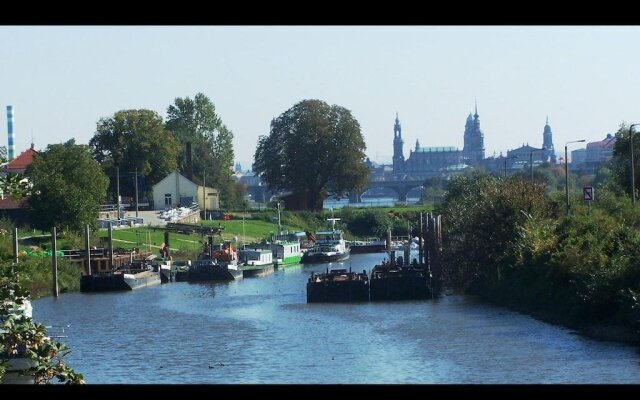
pixel 20 336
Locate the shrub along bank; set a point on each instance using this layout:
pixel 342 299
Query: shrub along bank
pixel 508 242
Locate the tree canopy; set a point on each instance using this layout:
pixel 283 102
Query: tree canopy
pixel 621 161
pixel 68 187
pixel 195 120
pixel 134 139
pixel 313 150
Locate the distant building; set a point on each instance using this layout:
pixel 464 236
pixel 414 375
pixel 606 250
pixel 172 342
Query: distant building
pixel 549 153
pixel 238 168
pixel 19 164
pixel 175 190
pixel 578 157
pixel 473 151
pixel 8 207
pixel 525 153
pixel 424 162
pixel 595 155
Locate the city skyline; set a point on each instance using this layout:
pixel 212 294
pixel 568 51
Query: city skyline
pixel 62 80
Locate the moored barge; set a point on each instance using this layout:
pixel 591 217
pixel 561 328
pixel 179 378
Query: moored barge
pixel 338 285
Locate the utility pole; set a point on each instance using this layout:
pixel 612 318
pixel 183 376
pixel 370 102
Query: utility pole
pixel 136 192
pixel 118 190
pixel 566 171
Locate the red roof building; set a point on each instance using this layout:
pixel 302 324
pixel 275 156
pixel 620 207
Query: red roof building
pixel 19 164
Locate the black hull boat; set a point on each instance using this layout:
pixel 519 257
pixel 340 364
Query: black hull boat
pixel 220 265
pixel 320 257
pixel 393 282
pixel 369 246
pixel 211 270
pixel 338 285
pixel 119 280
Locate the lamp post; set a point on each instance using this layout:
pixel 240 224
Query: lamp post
pixel 531 161
pixel 566 171
pixel 505 164
pixel 633 167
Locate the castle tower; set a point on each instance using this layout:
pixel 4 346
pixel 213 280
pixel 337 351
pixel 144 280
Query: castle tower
pixel 398 157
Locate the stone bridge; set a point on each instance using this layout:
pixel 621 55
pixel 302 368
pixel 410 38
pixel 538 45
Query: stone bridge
pixel 402 188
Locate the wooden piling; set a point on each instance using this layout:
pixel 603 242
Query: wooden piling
pixel 54 260
pixel 110 247
pixel 87 248
pixel 420 241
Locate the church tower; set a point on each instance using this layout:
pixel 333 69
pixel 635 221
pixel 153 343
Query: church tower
pixel 398 157
pixel 468 134
pixel 547 143
pixel 473 150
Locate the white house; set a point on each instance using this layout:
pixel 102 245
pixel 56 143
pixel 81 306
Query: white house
pixel 175 191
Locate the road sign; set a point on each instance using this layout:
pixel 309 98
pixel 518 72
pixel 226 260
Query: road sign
pixel 587 193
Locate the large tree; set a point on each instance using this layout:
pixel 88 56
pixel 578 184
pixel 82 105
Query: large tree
pixel 195 120
pixel 313 150
pixel 68 188
pixel 134 139
pixel 621 161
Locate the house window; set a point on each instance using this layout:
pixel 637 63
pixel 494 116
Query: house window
pixel 167 199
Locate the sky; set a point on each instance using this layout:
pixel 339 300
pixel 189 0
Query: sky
pixel 61 80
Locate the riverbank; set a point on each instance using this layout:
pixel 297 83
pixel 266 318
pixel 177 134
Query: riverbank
pixel 36 276
pixel 611 333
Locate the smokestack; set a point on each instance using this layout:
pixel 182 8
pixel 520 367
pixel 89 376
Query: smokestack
pixel 11 149
pixel 189 162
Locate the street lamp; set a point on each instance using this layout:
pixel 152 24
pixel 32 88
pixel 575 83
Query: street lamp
pixel 531 160
pixel 505 164
pixel 633 167
pixel 566 171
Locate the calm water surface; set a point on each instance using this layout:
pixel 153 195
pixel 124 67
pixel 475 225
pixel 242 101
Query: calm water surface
pixel 261 330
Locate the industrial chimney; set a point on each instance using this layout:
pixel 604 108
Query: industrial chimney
pixel 11 149
pixel 189 163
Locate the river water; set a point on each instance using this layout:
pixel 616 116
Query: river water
pixel 261 330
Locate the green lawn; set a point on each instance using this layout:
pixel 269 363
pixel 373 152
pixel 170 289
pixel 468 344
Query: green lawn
pixel 150 238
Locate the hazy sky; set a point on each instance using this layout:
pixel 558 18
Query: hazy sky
pixel 62 80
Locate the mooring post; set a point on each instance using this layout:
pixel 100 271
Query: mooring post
pixel 110 230
pixel 420 241
pixel 391 253
pixel 15 245
pixel 436 270
pixel 87 247
pixel 427 241
pixel 166 239
pixel 54 260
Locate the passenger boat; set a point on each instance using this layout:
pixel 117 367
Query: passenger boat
pixel 286 253
pixel 256 260
pixel 329 246
pixel 255 256
pixel 338 285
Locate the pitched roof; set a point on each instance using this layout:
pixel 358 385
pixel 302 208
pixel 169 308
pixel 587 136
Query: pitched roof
pixel 20 163
pixel 8 204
